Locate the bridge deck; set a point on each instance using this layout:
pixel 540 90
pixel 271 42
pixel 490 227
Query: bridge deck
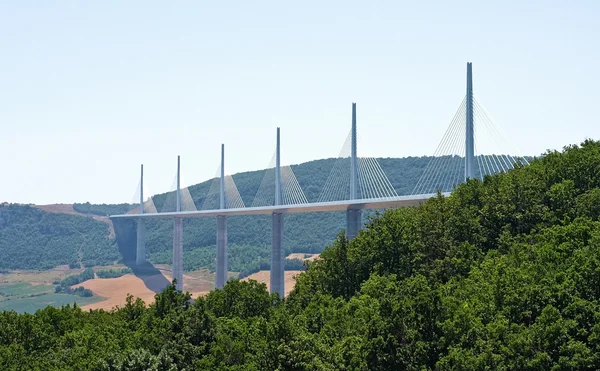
pixel 379 203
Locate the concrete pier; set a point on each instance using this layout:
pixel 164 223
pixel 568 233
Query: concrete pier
pixel 221 278
pixel 353 223
pixel 221 265
pixel 140 251
pixel 277 253
pixel 178 252
pixel 277 256
pixel 178 235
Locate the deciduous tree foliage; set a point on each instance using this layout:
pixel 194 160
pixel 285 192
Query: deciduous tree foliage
pixel 503 275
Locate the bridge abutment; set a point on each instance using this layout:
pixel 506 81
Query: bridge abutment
pixel 277 256
pixel 221 268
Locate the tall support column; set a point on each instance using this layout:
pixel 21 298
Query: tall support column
pixel 221 271
pixel 353 223
pixel 277 253
pixel 277 256
pixel 178 235
pixel 178 252
pixel 140 251
pixel 221 278
pixel 469 140
pixel 353 216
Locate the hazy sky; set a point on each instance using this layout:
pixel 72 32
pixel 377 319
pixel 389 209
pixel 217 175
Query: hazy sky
pixel 89 90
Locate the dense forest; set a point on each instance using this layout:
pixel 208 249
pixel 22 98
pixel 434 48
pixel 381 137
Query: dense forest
pixel 34 239
pixel 504 274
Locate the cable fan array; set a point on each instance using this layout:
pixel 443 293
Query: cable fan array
pixel 148 205
pixel 186 201
pixel 372 181
pixel 291 192
pixel 447 168
pixel 233 199
pixel 444 172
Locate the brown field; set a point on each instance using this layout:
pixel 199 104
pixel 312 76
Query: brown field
pixel 264 277
pixel 115 290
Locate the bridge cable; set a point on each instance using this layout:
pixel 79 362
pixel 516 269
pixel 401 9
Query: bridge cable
pixel 428 173
pixel 432 171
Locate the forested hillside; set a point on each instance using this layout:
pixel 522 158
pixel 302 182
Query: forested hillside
pixel 34 239
pixel 502 275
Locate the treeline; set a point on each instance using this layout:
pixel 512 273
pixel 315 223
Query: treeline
pixel 502 275
pixel 79 291
pixel 34 239
pixel 64 285
pixel 113 273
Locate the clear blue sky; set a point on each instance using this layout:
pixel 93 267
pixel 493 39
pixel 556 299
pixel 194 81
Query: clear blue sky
pixel 89 90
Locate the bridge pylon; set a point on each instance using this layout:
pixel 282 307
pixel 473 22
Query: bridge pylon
pixel 178 235
pixel 353 216
pixel 277 282
pixel 470 130
pixel 221 266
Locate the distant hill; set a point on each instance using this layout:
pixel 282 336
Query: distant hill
pixel 31 238
pixel 38 239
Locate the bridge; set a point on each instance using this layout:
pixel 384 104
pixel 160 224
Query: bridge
pixel 354 184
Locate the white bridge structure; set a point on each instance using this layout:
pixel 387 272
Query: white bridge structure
pixel 354 184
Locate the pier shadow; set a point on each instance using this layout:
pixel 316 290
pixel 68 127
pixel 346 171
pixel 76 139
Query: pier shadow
pixel 150 275
pixel 126 234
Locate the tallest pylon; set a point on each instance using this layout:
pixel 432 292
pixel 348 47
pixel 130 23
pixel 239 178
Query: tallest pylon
pixel 470 132
pixel 353 216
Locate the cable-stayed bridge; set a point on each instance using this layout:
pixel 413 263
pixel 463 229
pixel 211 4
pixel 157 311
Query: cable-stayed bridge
pixel 354 184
